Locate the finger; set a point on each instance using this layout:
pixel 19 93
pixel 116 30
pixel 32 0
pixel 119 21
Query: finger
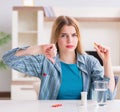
pixel 50 50
pixel 51 59
pixel 51 46
pixel 103 49
pixel 100 48
pixel 96 46
pixel 50 53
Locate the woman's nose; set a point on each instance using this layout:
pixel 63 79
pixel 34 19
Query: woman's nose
pixel 69 38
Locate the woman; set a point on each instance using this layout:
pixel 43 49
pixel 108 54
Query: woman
pixel 64 68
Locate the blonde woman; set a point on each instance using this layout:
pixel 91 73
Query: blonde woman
pixel 63 67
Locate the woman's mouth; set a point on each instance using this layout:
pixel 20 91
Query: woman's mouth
pixel 69 46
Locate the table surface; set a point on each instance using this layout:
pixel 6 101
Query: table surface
pixel 47 106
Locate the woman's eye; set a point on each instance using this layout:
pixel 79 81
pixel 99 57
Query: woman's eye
pixel 74 35
pixel 63 35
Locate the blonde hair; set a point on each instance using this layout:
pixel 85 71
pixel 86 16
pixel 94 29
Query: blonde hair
pixel 58 25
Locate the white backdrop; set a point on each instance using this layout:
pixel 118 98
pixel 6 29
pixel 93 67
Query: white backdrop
pixel 79 3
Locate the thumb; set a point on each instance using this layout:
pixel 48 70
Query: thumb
pixel 96 47
pixel 51 59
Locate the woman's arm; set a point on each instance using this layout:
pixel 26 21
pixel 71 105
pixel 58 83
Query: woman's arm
pixel 28 64
pixel 104 54
pixel 32 50
pixel 28 59
pixel 49 50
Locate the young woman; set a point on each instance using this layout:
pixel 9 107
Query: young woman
pixel 63 67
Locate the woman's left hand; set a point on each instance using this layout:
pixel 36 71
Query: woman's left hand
pixel 103 52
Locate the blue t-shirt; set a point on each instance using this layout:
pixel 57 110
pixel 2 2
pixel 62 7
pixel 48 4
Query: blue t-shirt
pixel 72 83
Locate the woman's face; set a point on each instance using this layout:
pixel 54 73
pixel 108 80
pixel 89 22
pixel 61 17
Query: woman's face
pixel 68 39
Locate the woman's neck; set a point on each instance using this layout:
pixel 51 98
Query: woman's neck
pixel 69 58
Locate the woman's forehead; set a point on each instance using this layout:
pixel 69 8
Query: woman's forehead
pixel 68 28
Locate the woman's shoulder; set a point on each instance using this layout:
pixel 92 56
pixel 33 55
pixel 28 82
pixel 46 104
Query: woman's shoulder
pixel 87 59
pixel 86 56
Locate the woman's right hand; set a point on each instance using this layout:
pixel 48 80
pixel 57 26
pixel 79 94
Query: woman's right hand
pixel 49 50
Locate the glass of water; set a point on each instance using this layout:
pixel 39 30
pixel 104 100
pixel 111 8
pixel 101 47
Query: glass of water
pixel 100 92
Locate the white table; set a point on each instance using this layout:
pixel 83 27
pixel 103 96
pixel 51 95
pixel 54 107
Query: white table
pixel 67 106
